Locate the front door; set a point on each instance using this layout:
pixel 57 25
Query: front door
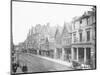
pixel 88 55
pixel 81 54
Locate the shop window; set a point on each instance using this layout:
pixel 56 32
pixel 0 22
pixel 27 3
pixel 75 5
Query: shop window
pixel 75 53
pixel 81 54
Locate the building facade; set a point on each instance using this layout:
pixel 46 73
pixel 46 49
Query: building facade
pixel 66 41
pixel 83 38
pixel 63 43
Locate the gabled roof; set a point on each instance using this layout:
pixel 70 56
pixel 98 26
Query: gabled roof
pixel 66 28
pixel 85 15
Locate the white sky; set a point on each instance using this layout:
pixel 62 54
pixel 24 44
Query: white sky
pixel 25 15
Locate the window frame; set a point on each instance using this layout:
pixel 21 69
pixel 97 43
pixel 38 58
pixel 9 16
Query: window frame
pixel 88 35
pixel 80 37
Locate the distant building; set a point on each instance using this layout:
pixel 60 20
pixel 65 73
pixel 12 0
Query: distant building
pixel 40 38
pixel 58 45
pixel 66 40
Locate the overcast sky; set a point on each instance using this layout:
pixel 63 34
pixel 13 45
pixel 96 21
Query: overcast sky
pixel 25 15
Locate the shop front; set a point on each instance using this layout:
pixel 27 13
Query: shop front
pixel 82 54
pixel 67 54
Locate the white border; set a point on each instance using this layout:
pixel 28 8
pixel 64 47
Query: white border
pixel 5 37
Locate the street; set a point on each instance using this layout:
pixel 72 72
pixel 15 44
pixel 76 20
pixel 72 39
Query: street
pixel 36 64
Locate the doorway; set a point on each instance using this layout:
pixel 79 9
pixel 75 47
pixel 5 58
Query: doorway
pixel 88 55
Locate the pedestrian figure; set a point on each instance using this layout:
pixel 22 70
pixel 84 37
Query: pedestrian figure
pixel 24 68
pixel 14 67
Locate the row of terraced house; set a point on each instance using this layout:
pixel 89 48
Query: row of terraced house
pixel 74 41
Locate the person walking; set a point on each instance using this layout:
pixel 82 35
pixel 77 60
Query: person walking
pixel 14 67
pixel 24 68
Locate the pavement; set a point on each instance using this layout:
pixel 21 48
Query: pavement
pixel 37 63
pixel 66 63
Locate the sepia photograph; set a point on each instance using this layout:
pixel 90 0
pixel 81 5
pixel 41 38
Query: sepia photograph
pixel 52 37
